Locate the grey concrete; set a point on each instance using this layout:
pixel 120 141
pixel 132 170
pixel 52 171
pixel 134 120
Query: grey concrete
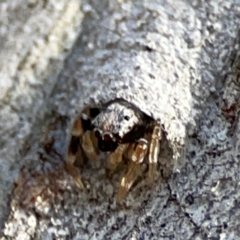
pixel 177 61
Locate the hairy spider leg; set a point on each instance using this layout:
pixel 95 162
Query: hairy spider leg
pixel 74 146
pixel 136 153
pixel 116 157
pixel 154 148
pixel 89 141
pixel 89 145
pixel 82 140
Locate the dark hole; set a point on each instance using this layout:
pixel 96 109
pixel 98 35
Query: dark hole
pixel 126 118
pixel 225 225
pixel 163 225
pixel 97 134
pixel 189 199
pixel 86 124
pixel 94 112
pixel 147 48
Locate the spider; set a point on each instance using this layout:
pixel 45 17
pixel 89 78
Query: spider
pixel 124 131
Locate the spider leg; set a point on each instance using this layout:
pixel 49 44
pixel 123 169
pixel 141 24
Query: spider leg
pixel 89 145
pixel 116 157
pixel 73 149
pixel 137 151
pixel 89 141
pixel 136 154
pixel 153 153
pixel 82 140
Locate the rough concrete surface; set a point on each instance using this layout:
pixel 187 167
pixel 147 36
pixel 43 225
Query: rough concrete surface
pixel 179 61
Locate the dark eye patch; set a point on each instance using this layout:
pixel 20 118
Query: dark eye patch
pixel 126 118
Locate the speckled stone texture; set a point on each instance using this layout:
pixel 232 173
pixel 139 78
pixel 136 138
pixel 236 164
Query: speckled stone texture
pixel 34 37
pixel 178 61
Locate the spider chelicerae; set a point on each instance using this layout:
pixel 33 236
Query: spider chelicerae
pixel 124 131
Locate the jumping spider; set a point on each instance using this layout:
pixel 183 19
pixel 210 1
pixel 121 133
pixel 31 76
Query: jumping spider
pixel 123 130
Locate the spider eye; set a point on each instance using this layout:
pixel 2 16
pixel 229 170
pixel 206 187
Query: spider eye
pixel 126 118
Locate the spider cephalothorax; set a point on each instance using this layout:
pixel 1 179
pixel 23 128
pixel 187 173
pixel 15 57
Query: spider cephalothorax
pixel 123 130
pixel 117 120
